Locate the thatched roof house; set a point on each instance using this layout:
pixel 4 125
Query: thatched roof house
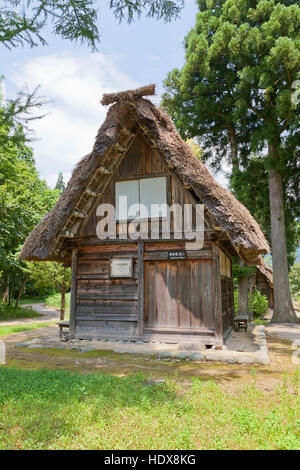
pixel 162 286
pixel 229 215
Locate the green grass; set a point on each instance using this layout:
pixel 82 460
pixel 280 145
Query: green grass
pixel 258 321
pixel 11 313
pixel 11 329
pixel 46 409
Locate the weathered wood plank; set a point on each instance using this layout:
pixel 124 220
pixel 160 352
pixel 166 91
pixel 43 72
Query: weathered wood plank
pixel 108 296
pixel 217 290
pixel 141 286
pixel 72 329
pixel 104 316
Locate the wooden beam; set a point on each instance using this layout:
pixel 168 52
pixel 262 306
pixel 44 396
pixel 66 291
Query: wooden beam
pixel 73 293
pixel 126 132
pixel 118 148
pixel 78 214
pixel 141 287
pixel 104 171
pixel 67 234
pixel 90 192
pixel 217 293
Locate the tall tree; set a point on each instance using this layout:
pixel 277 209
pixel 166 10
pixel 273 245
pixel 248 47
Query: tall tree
pixel 259 41
pixel 24 199
pixel 249 183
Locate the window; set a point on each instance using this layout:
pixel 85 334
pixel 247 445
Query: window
pixel 144 197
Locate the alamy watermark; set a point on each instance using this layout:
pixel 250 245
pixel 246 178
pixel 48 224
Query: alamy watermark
pixel 137 221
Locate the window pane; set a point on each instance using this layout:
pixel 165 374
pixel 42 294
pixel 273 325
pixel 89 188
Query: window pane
pixel 129 189
pixel 154 191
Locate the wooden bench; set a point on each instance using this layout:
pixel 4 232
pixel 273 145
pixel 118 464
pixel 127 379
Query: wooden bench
pixel 241 321
pixel 61 325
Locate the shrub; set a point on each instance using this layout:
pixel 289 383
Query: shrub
pixel 258 303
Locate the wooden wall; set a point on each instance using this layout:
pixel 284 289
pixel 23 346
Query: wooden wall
pixel 105 304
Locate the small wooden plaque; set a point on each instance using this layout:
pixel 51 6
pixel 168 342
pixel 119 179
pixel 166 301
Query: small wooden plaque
pixel 177 254
pixel 121 267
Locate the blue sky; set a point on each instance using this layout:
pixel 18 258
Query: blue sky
pixel 73 79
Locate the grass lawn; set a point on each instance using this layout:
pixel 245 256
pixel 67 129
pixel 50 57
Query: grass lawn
pixel 51 409
pixel 11 329
pixel 11 313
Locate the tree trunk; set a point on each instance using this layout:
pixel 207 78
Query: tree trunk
pixel 21 292
pixel 233 149
pixel 283 307
pixel 6 290
pixel 63 301
pixel 243 295
pixel 12 290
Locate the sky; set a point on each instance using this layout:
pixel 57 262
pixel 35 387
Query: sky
pixel 72 79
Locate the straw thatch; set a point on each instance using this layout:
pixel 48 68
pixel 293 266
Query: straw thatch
pixel 128 95
pixel 267 272
pixel 132 111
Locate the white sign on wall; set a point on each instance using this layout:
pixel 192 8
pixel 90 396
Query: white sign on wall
pixel 121 267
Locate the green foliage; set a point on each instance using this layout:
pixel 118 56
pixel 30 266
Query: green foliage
pixel 54 300
pixel 236 94
pixel 24 21
pixel 258 303
pixel 295 280
pixel 236 301
pixel 60 184
pixel 47 277
pixel 240 270
pixel 24 199
pixel 252 179
pixel 10 313
pixel 58 410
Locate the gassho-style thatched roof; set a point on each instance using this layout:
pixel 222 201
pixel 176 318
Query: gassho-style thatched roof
pixel 131 112
pixel 266 271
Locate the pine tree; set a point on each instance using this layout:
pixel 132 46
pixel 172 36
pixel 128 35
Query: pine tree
pixel 258 42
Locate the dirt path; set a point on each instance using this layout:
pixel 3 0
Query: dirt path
pixel 232 377
pixel 48 314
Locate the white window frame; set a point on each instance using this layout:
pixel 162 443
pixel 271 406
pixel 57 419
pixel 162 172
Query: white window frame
pixel 161 217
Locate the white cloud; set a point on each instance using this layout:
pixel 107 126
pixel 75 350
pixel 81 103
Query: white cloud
pixel 74 84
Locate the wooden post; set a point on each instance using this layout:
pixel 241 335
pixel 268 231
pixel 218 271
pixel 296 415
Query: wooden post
pixel 217 293
pixel 73 293
pixel 141 287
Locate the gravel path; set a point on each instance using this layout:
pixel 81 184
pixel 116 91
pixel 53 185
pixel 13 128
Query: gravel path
pixel 48 314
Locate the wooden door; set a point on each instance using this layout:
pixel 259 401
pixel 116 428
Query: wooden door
pixel 178 295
